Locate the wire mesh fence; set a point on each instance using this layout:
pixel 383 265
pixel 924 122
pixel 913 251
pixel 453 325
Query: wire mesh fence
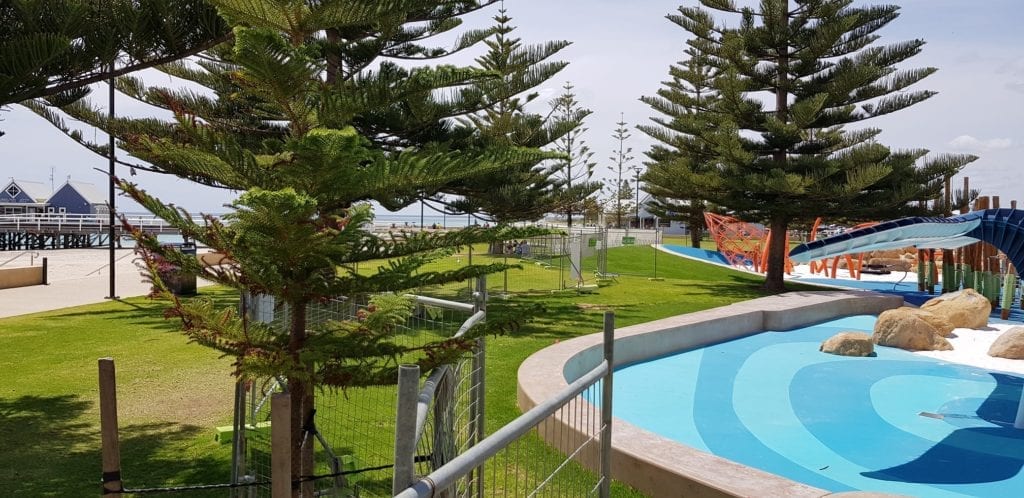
pixel 353 429
pixel 542 264
pixel 525 468
pixel 575 426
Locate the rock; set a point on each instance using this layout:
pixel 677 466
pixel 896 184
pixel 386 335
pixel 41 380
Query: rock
pixel 966 308
pixel 942 326
pixel 1009 345
pixel 894 264
pixel 904 328
pixel 849 344
pixel 888 253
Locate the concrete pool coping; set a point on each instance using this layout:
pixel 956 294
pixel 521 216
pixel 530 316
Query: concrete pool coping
pixel 649 462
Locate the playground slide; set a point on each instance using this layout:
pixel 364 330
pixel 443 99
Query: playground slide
pixel 1003 228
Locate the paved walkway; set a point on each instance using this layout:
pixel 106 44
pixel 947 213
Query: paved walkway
pixel 77 277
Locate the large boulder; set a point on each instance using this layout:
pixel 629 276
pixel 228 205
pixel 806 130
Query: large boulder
pixel 965 308
pixel 904 328
pixel 1009 345
pixel 893 264
pixel 887 253
pixel 941 324
pixel 849 344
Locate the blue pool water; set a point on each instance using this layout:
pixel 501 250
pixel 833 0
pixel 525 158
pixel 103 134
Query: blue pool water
pixel 774 402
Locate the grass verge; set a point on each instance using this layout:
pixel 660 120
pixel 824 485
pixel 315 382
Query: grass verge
pixel 172 393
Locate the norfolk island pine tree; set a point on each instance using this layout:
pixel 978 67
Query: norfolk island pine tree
pixel 684 104
pixel 791 76
pixel 309 119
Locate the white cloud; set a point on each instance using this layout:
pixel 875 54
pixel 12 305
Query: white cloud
pixel 967 142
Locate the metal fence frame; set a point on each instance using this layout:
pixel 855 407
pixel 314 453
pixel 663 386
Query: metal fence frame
pixel 442 380
pixel 469 465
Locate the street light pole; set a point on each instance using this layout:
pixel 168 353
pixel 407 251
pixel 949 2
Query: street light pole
pixel 111 232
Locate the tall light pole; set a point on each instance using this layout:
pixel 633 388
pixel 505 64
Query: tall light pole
pixel 111 234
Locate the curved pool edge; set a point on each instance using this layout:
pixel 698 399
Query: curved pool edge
pixel 651 463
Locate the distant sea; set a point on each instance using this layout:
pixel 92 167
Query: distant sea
pixel 413 220
pixel 382 221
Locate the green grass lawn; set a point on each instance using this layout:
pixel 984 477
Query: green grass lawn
pixel 172 394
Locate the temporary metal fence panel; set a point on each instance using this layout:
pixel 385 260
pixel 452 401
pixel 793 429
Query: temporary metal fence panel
pixel 354 427
pixel 510 462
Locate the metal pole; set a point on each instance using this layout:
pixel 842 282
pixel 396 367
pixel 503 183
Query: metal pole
pixel 110 180
pixel 422 226
pixel 479 364
pixel 405 427
pixel 238 438
pixel 606 406
pixel 657 241
pixel 111 447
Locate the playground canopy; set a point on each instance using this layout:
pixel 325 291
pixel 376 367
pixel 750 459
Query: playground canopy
pixel 1003 228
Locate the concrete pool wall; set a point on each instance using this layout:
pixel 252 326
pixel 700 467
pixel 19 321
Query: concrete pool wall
pixel 653 464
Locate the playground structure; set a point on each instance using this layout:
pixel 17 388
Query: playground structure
pixel 854 262
pixel 745 245
pixel 742 244
pixel 977 250
pixel 980 249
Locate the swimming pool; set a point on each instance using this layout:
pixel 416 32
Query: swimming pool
pixel 896 423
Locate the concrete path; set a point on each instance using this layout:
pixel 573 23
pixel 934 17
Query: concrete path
pixel 76 276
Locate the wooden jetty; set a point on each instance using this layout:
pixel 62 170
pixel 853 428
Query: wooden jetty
pixel 69 231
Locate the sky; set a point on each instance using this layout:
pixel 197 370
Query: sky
pixel 622 50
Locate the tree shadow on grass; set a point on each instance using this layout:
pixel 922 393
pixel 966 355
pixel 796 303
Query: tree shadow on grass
pixel 143 311
pixel 50 447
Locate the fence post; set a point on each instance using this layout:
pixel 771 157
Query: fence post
pixel 657 242
pixel 111 447
pixel 479 387
pixel 45 270
pixel 444 420
pixel 405 427
pixel 238 437
pixel 281 445
pixel 606 406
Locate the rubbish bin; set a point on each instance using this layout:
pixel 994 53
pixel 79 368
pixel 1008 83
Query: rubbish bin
pixel 178 282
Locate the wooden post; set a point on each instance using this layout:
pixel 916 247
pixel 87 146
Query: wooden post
pixel 45 269
pixel 281 445
pixel 111 448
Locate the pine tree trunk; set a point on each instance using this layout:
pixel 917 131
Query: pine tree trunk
pixel 777 246
pixel 302 404
pixel 773 281
pixel 696 223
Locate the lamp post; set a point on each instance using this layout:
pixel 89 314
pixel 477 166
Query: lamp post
pixel 111 232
